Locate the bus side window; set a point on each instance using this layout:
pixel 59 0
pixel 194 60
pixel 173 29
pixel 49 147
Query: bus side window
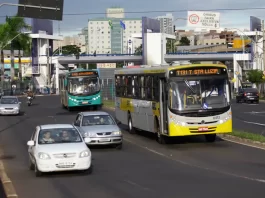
pixel 148 87
pixel 129 86
pixel 118 85
pixel 142 87
pixel 155 94
pixel 136 87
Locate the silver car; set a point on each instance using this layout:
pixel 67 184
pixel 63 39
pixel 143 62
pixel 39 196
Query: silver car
pixel 100 127
pixel 9 105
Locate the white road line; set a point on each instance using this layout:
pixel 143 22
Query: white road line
pixel 197 166
pixel 256 123
pixel 135 184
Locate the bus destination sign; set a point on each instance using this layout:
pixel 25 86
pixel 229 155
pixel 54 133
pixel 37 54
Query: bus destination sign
pixel 86 73
pixel 197 72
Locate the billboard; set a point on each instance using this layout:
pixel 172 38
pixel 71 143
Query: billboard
pixel 41 9
pixel 148 25
pixel 106 65
pixel 255 24
pixel 200 19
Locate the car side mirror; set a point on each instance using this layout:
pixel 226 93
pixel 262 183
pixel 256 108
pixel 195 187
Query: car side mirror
pixel 118 122
pixel 31 143
pixel 87 140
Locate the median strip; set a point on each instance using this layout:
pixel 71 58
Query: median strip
pixel 9 189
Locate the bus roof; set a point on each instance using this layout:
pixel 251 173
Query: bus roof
pixel 163 69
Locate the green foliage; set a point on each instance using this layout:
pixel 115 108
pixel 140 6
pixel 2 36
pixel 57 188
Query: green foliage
pixel 184 41
pixel 68 50
pixel 255 76
pixel 170 46
pixel 139 50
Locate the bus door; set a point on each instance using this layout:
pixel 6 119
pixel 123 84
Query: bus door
pixel 163 106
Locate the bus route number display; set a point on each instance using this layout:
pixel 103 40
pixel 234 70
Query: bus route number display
pixel 83 73
pixel 197 72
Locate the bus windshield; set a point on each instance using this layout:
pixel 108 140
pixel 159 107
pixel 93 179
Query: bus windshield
pixel 185 94
pixel 83 85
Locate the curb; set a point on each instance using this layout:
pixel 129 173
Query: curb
pixel 110 108
pixel 242 140
pixel 9 189
pixel 39 95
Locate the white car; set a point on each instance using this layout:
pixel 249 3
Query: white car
pixel 58 147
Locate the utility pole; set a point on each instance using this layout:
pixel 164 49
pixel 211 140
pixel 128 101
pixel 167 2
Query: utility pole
pixel 48 67
pixel 263 39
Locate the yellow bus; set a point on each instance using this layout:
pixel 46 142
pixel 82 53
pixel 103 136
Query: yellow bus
pixel 171 101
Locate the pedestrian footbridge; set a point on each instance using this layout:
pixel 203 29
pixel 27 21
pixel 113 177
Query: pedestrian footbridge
pixel 207 56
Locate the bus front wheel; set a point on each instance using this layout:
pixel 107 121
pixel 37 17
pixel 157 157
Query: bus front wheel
pixel 161 139
pixel 210 137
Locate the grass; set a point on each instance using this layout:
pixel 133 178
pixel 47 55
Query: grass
pixel 247 135
pixel 109 103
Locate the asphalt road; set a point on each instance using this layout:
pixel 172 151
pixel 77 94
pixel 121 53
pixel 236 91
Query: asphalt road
pixel 188 169
pixel 249 117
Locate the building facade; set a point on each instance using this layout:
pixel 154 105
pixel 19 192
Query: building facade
pixel 103 38
pixel 166 23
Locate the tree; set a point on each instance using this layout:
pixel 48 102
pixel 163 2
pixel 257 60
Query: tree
pixel 12 32
pixel 255 76
pixel 184 41
pixel 139 50
pixel 170 46
pixel 68 50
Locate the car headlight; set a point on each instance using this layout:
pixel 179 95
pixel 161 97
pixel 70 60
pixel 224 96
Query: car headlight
pixel 44 156
pixel 85 153
pixel 86 134
pixel 116 133
pixel 16 108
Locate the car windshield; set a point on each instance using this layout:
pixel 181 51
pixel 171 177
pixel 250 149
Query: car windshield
pixel 59 135
pixel 9 101
pixel 97 120
pixel 83 85
pixel 199 94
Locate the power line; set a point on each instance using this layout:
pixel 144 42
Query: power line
pixel 159 11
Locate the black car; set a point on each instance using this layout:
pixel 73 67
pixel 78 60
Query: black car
pixel 249 95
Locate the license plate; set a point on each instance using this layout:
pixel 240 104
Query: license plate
pixel 251 98
pixel 203 129
pixel 104 140
pixel 84 102
pixel 65 163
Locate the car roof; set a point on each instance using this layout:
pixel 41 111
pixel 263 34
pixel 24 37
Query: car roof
pixel 9 96
pixel 88 113
pixel 56 126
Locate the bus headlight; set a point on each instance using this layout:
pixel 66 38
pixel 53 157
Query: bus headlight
pixel 228 117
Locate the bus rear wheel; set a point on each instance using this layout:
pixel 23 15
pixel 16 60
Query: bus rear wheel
pixel 210 137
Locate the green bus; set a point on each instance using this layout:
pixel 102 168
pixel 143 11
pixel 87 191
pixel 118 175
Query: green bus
pixel 80 88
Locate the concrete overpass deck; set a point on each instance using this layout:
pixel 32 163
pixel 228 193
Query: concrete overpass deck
pixel 206 56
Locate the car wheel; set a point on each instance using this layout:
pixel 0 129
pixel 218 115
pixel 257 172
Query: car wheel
pixel 89 170
pixel 37 172
pixel 31 165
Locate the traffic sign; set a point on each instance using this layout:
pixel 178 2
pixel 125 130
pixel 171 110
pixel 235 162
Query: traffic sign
pixel 200 19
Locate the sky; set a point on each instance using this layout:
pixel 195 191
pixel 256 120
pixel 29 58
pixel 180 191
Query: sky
pixel 72 25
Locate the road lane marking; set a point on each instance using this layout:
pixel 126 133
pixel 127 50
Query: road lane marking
pixel 195 166
pixel 256 123
pixel 137 185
